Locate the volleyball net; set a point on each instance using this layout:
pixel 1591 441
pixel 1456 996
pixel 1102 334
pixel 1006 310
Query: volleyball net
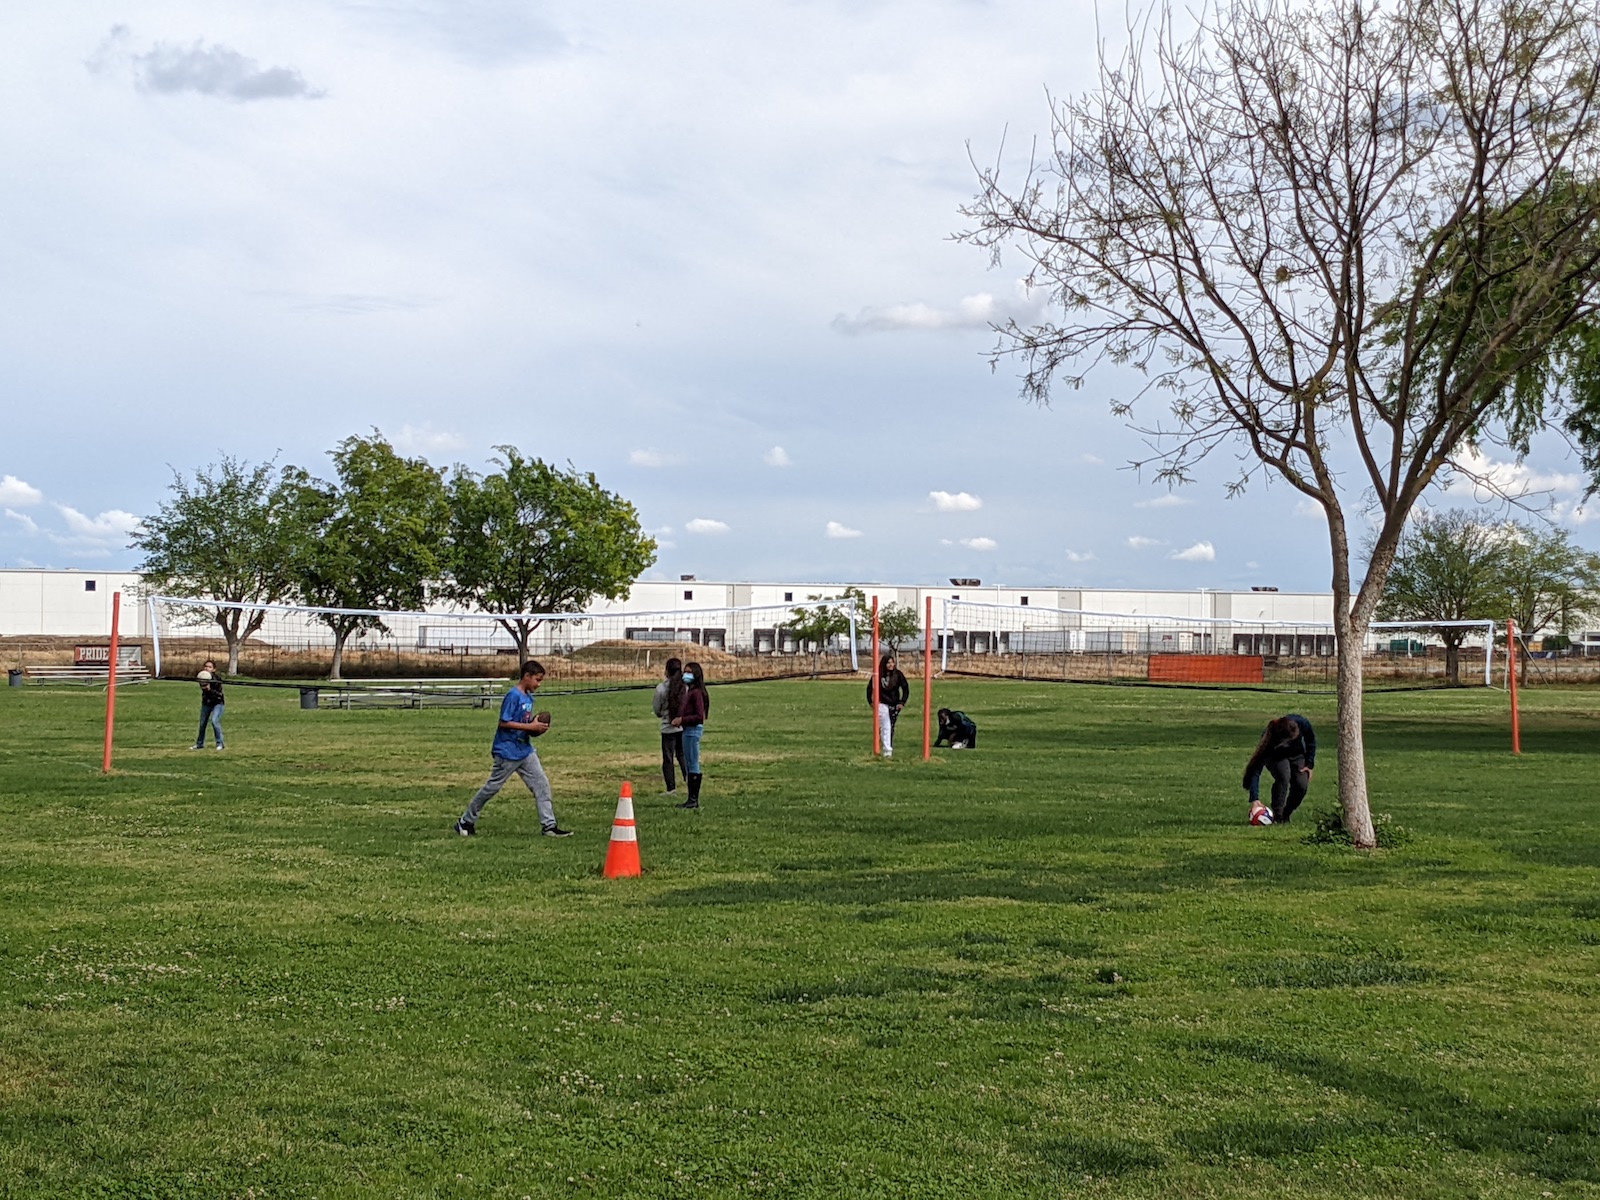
pixel 580 651
pixel 1083 646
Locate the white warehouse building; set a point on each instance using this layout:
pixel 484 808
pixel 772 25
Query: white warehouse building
pixel 78 603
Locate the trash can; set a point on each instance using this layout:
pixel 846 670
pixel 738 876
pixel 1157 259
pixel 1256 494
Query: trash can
pixel 308 697
pixel 14 677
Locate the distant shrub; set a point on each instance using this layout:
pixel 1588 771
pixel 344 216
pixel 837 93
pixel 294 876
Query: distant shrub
pixel 1327 829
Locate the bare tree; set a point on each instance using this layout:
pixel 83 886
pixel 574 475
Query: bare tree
pixel 1337 235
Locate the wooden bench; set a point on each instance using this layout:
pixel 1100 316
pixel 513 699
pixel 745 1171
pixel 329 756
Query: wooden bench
pixel 85 674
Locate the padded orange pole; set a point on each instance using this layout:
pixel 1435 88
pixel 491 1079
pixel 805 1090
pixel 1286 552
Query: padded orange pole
pixel 1511 683
pixel 877 680
pixel 927 683
pixel 111 681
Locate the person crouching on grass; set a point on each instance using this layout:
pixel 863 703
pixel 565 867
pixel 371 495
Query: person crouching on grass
pixel 893 692
pixel 211 704
pixel 514 755
pixel 671 735
pixel 690 705
pixel 1288 752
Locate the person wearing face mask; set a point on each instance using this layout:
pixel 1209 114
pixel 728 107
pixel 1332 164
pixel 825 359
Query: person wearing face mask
pixel 689 704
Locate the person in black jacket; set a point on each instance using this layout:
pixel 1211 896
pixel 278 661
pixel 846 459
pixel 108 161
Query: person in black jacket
pixel 210 704
pixel 957 729
pixel 1288 752
pixel 893 692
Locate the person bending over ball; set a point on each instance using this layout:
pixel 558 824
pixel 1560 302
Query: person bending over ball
pixel 1288 752
pixel 671 735
pixel 893 692
pixel 690 705
pixel 514 755
pixel 957 729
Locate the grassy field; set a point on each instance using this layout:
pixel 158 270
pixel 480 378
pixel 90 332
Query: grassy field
pixel 1060 966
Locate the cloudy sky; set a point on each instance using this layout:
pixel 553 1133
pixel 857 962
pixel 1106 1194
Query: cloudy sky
pixel 702 250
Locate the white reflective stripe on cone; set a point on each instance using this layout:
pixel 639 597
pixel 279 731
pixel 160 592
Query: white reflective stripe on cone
pixel 624 833
pixel 625 809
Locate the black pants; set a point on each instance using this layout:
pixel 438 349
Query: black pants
pixel 672 749
pixel 1289 784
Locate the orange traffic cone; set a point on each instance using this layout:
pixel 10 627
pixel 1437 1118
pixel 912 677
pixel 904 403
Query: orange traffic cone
pixel 622 857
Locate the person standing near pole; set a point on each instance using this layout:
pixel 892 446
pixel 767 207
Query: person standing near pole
pixel 514 755
pixel 671 735
pixel 893 692
pixel 211 703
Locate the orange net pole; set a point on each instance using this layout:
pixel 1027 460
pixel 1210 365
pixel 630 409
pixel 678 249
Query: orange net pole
pixel 927 682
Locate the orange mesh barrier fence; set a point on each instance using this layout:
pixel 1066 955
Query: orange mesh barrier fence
pixel 1205 668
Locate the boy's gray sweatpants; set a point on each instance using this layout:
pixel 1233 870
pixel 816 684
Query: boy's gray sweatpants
pixel 532 774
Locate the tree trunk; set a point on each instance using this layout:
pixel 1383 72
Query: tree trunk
pixel 1353 803
pixel 340 636
pixel 1452 661
pixel 1350 624
pixel 233 653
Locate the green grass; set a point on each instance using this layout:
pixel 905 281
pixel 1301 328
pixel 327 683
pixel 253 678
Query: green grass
pixel 1061 965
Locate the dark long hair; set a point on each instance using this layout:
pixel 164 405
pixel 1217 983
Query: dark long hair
pixel 699 683
pixel 1279 729
pixel 883 664
pixel 675 688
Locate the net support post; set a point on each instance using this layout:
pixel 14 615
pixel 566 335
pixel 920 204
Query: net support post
pixel 1511 684
pixel 927 682
pixel 944 625
pixel 855 655
pixel 155 634
pixel 111 680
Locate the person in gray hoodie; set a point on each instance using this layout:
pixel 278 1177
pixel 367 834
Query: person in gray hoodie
pixel 671 735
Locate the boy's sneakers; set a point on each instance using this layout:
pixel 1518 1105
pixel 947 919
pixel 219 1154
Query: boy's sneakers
pixel 197 747
pixel 690 804
pixel 556 831
pixel 466 830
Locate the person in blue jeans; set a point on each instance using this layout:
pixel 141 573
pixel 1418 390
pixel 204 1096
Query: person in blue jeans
pixel 211 704
pixel 514 755
pixel 690 705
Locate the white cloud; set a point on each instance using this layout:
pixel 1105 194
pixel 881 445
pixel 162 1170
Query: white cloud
pixel 1170 500
pixel 979 543
pixel 1491 479
pixel 1094 460
pixel 648 458
pixel 1309 509
pixel 111 524
pixel 1074 557
pixel 27 522
pixel 777 457
pixel 1199 552
pixel 836 530
pixel 15 491
pixel 955 501
pixel 214 70
pixel 424 439
pixel 706 525
pixel 1139 542
pixel 978 311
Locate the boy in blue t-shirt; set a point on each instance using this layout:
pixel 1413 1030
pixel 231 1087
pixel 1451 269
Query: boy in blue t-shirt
pixel 514 755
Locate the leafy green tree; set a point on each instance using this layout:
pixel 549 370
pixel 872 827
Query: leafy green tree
pixel 898 623
pixel 531 538
pixel 1340 237
pixel 1447 568
pixel 227 535
pixel 1545 582
pixel 373 536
